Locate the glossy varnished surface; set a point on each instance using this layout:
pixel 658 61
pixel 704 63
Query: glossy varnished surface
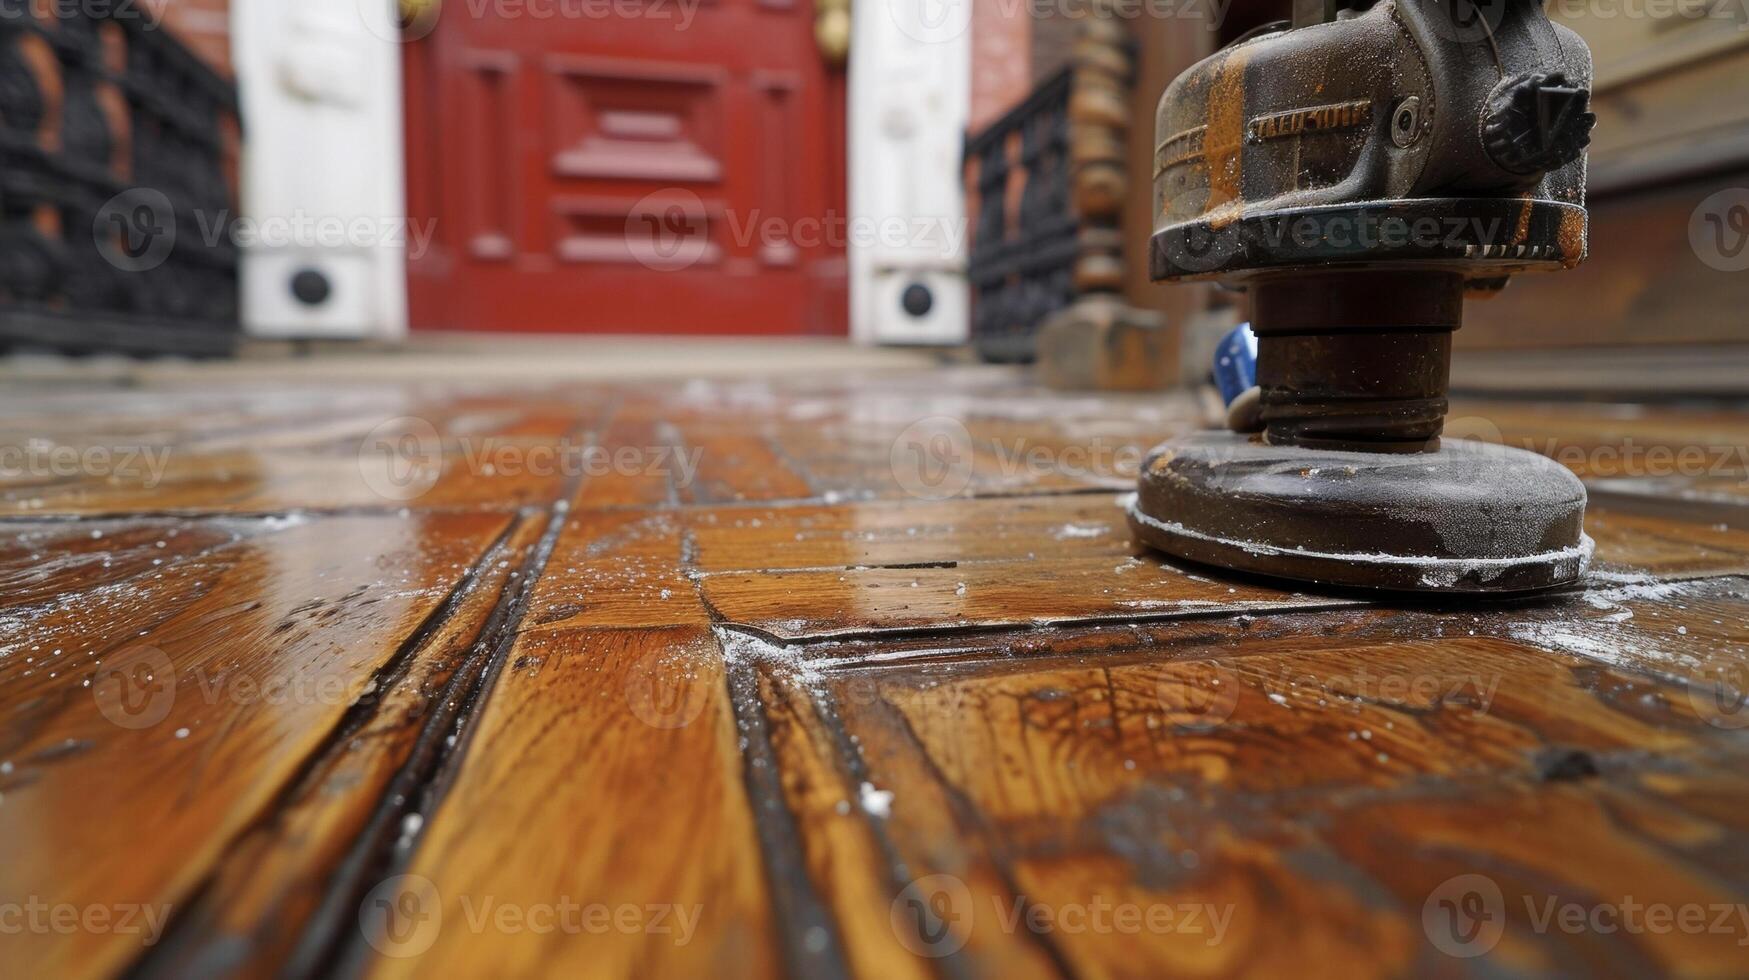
pixel 838 675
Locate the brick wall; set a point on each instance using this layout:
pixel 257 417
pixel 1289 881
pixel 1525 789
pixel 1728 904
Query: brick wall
pixel 1001 59
pixel 203 25
pixel 1015 45
pixel 1053 40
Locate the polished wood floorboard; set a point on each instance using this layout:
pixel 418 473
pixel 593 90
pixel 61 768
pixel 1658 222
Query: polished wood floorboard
pixel 838 675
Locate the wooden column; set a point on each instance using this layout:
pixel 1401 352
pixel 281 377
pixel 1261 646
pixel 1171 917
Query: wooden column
pixel 1101 341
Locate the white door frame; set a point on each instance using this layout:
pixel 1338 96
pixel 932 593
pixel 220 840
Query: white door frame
pixel 909 99
pixel 324 230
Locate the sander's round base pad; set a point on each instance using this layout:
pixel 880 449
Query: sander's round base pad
pixel 1471 518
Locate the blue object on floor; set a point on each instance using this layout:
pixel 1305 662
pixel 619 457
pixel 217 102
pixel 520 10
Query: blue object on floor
pixel 1236 363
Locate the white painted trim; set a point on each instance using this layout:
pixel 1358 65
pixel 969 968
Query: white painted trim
pixel 324 181
pixel 909 99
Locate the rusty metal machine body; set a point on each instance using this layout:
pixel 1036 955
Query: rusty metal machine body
pixel 1359 170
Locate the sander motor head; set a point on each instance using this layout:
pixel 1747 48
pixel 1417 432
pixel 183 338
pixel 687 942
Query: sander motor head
pixel 1359 170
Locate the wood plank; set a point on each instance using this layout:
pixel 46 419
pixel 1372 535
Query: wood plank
pixel 616 569
pixel 274 448
pixel 1642 285
pixel 610 746
pixel 602 814
pixel 251 483
pixel 651 472
pixel 1599 441
pixel 1680 497
pixel 845 859
pixel 1661 375
pixel 40 560
pixel 188 699
pixel 269 905
pixel 1257 779
pixel 906 440
pixel 1022 567
pixel 1014 594
pixel 871 534
pixel 1638 545
pixel 884 895
pixel 1691 631
pixel 277 416
pixel 735 464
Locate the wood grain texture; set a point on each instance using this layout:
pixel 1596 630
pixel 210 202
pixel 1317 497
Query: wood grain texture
pixel 271 899
pixel 617 834
pixel 150 720
pixel 844 675
pixel 1643 282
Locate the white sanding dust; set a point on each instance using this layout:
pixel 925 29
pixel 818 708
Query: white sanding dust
pixel 1436 572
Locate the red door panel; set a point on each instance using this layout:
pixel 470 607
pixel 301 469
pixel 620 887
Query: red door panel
pixel 678 171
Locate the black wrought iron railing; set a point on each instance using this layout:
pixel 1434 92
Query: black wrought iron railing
pixel 1022 258
pixel 118 155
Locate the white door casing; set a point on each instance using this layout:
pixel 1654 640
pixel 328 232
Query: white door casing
pixel 909 99
pixel 323 178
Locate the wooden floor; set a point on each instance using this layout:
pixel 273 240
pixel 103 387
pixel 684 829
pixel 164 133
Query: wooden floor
pixel 702 679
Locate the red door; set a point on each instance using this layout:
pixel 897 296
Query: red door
pixel 626 166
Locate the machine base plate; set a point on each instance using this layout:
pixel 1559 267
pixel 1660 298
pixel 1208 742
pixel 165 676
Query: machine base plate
pixel 1471 518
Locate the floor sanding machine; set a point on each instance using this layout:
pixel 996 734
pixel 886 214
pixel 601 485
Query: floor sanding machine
pixel 1358 170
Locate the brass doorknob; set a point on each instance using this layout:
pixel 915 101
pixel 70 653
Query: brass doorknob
pixel 832 30
pixel 418 16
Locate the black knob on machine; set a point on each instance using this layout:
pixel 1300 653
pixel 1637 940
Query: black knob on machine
pixel 1537 122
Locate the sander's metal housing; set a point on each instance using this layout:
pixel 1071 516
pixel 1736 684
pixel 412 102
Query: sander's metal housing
pixel 1359 170
pixel 1398 134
